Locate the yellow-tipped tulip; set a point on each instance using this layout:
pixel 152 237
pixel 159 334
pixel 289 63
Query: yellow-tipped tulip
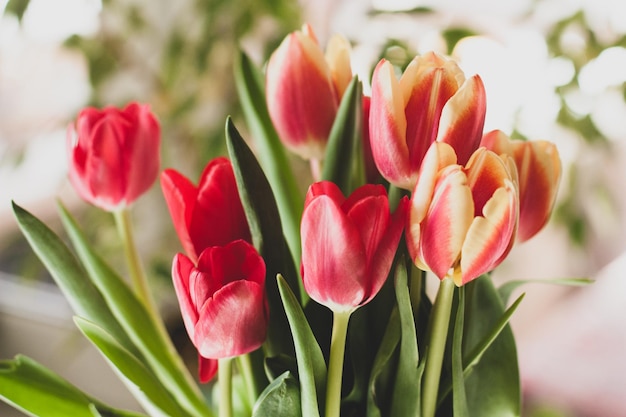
pixel 432 101
pixel 304 88
pixel 463 219
pixel 539 171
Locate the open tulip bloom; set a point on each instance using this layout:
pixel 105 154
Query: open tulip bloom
pixel 313 299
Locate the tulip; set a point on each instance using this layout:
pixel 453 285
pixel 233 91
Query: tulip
pixel 210 214
pixel 113 154
pixel 462 220
pixel 304 89
pixel 222 299
pixel 348 245
pixel 539 171
pixel 432 101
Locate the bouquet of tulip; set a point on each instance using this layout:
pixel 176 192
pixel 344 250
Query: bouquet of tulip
pixel 307 302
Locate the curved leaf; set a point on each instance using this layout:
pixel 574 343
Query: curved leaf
pixel 281 398
pixel 505 290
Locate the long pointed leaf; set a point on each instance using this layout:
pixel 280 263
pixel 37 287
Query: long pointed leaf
pixel 37 391
pixel 262 214
pixel 342 141
pixel 70 276
pixel 148 391
pixel 272 154
pixel 311 364
pixel 140 326
pixel 506 289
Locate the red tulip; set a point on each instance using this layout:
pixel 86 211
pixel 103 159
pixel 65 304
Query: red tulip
pixel 223 300
pixel 113 154
pixel 539 172
pixel 432 101
pixel 348 245
pixel 210 214
pixel 304 88
pixel 462 221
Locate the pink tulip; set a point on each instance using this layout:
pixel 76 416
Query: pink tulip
pixel 462 220
pixel 348 245
pixel 223 300
pixel 113 154
pixel 304 88
pixel 539 171
pixel 210 214
pixel 431 102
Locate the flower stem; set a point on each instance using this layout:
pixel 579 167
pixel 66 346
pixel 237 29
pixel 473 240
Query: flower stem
pixel 437 344
pixel 137 274
pixel 245 366
pixel 335 363
pixel 225 381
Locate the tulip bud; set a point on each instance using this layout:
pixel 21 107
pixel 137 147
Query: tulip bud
pixel 348 245
pixel 432 101
pixel 462 220
pixel 222 300
pixel 113 154
pixel 210 214
pixel 539 171
pixel 304 89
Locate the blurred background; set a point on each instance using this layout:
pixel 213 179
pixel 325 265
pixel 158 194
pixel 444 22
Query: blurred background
pixel 553 69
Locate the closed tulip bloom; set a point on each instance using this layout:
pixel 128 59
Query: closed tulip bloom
pixel 462 220
pixel 432 101
pixel 222 299
pixel 304 88
pixel 539 171
pixel 348 244
pixel 210 214
pixel 113 154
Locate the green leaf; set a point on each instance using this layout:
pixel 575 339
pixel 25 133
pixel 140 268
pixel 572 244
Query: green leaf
pixel 311 364
pixel 384 368
pixel 506 289
pixel 140 380
pixel 342 141
pixel 281 398
pixel 70 276
pixel 141 327
pixel 407 389
pixel 37 391
pixel 459 399
pixel 17 7
pixel 250 87
pixel 262 214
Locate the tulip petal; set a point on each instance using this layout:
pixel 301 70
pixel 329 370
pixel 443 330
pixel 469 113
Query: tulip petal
pixel 463 118
pixel 387 128
pixel 180 196
pixel 181 271
pixel 207 368
pixel 233 322
pixel 445 226
pixel 489 238
pixel 333 257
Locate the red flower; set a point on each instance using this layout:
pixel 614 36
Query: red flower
pixel 348 245
pixel 113 154
pixel 304 88
pixel 539 171
pixel 222 300
pixel 431 102
pixel 462 221
pixel 210 214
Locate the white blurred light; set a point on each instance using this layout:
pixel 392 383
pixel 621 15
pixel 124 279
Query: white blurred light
pixel 57 20
pixel 608 69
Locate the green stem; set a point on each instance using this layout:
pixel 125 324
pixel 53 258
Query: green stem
pixel 335 363
pixel 137 274
pixel 437 345
pixel 245 366
pixel 225 381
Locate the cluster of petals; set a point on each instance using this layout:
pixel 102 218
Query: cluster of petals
pixel 222 299
pixel 304 87
pixel 539 171
pixel 432 101
pixel 113 154
pixel 209 214
pixel 348 244
pixel 463 218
